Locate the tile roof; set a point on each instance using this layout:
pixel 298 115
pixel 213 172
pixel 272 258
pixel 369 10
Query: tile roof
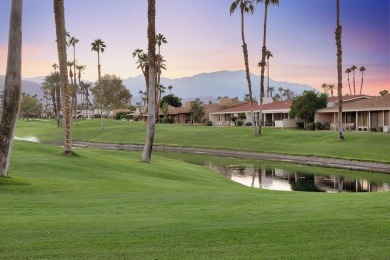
pixel 276 105
pixel 373 103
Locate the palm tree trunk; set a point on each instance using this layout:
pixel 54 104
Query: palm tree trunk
pixel 349 85
pixel 59 13
pixel 58 104
pixel 147 152
pixel 75 85
pixel 12 86
pixel 263 54
pixel 354 89
pixel 339 72
pixel 268 77
pixel 361 85
pixel 247 73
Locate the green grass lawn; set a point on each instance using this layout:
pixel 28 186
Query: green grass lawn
pixel 358 145
pixel 108 205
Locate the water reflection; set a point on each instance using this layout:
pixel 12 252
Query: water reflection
pixel 281 179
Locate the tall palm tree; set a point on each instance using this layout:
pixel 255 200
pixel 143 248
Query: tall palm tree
pixel 271 91
pixel 160 39
pixel 264 53
pixel 170 89
pixel 324 86
pixel 12 86
pixel 361 69
pixel 348 70
pixel 147 151
pixel 331 88
pixel 280 89
pixel 268 55
pixel 98 45
pixel 143 64
pixel 353 68
pixel 72 42
pixel 59 13
pixel 246 6
pixel 340 70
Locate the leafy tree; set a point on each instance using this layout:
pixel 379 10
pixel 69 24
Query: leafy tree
pixel 12 86
pixel 171 100
pixel 245 6
pixel 197 110
pixel 51 87
pixel 30 105
pixel 305 105
pixel 111 93
pixel 384 92
pixel 151 32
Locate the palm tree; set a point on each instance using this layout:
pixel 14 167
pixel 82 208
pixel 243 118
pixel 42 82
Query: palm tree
pixel 353 68
pixel 268 55
pixel 324 86
pixel 143 64
pixel 280 89
pixel 72 42
pixel 348 70
pixel 59 14
pixel 147 151
pixel 12 86
pixel 361 69
pixel 98 45
pixel 246 6
pixel 340 70
pixel 264 53
pixel 170 88
pixel 271 91
pixel 331 87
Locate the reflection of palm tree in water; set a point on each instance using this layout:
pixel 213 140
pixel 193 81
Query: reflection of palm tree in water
pixel 341 183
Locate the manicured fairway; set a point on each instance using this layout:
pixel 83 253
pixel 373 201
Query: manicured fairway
pixel 368 146
pixel 109 205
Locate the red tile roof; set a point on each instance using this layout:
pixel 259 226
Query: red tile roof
pixel 276 105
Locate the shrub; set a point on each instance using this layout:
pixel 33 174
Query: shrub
pixel 373 129
pixel 248 124
pixel 239 122
pixel 318 126
pixel 380 129
pixel 208 123
pixel 164 120
pixel 300 125
pixel 310 127
pixel 327 126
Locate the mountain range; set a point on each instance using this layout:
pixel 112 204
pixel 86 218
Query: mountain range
pixel 205 85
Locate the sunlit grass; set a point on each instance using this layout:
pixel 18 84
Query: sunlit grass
pixel 107 204
pixel 357 145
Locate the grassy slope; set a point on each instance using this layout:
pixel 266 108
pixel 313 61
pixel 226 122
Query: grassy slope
pixel 106 204
pixel 358 145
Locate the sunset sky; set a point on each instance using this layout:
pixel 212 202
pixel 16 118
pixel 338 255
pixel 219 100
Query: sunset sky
pixel 203 37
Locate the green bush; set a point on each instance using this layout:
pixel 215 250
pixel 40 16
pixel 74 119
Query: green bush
pixel 327 126
pixel 318 126
pixel 163 120
pixel 300 125
pixel 248 124
pixel 373 129
pixel 310 127
pixel 380 129
pixel 239 122
pixel 208 123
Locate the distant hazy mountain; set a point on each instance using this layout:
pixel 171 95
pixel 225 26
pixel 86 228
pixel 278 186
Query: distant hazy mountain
pixel 206 86
pixel 215 84
pixel 28 86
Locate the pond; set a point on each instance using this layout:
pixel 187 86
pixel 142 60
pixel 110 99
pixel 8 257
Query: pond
pixel 286 180
pixel 277 175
